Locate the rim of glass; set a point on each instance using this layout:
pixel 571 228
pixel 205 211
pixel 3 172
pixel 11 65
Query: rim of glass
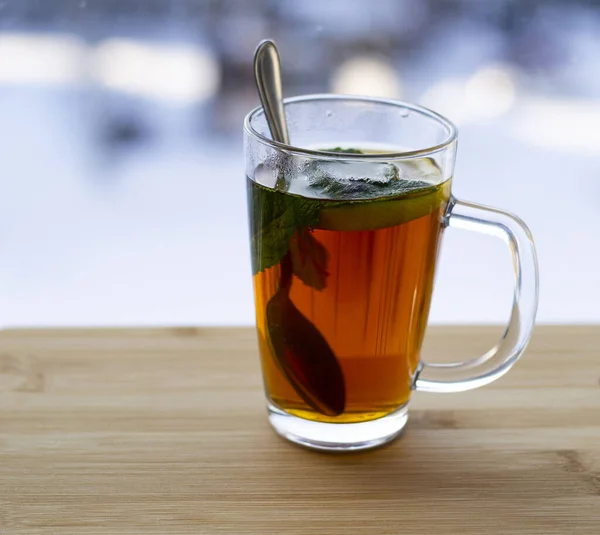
pixel 452 131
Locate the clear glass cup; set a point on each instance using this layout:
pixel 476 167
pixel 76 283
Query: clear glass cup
pixel 344 248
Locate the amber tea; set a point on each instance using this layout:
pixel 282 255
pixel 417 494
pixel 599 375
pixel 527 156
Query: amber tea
pixel 343 274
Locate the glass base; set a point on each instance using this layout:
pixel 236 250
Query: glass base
pixel 338 437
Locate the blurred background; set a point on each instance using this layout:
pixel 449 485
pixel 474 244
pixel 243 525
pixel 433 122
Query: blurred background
pixel 123 195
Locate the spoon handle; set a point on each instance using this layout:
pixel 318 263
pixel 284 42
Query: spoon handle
pixel 267 72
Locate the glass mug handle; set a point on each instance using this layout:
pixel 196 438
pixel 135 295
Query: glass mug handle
pixel 470 374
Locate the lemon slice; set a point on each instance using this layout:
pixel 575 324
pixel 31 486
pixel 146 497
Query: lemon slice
pixel 383 213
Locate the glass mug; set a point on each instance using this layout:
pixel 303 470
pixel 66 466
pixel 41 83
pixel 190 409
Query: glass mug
pixel 345 226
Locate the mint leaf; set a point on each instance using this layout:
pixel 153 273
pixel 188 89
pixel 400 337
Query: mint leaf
pixel 275 217
pixel 280 222
pixel 309 259
pixel 346 151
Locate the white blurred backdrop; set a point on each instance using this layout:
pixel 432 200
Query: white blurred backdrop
pixel 123 197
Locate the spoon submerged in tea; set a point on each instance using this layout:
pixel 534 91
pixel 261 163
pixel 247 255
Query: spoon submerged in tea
pixel 300 351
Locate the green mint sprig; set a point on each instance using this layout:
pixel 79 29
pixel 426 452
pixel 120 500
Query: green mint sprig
pixel 280 223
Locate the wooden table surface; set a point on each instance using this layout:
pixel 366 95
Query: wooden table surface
pixel 164 432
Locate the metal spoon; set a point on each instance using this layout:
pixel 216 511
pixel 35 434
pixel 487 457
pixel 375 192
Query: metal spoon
pixel 300 350
pixel 267 73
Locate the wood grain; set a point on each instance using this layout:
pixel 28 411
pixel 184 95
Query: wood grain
pixel 164 432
